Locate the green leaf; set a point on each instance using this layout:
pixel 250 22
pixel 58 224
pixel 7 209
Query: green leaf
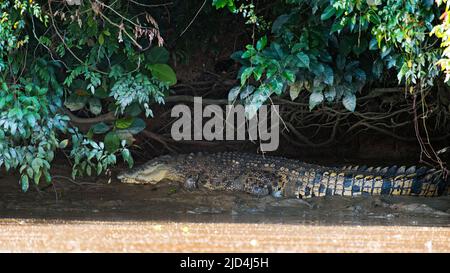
pixel 164 73
pixel 246 74
pixel 294 90
pixel 63 144
pixel 279 22
pixel 256 100
pixel 303 60
pixel 101 39
pixel 95 106
pixel 329 75
pixel 261 44
pixel 327 13
pixel 127 157
pixel 112 142
pixel 315 99
pixel 330 94
pixel 31 119
pixel 124 123
pixel 133 109
pixel 75 102
pixel 233 94
pixel 36 164
pixel 221 3
pixel 24 183
pixel 360 74
pixel 373 44
pixel 100 128
pixel 289 75
pixel 137 126
pixel 337 26
pixel 47 176
pixel 37 177
pixel 257 72
pixel 158 55
pixel 349 101
pixel 248 89
pixel 374 2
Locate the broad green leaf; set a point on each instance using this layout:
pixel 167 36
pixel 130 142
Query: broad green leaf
pixel 31 119
pixel 24 183
pixel 294 89
pixel 279 22
pixel 327 13
pixel 100 128
pixel 164 73
pixel 221 3
pixel 137 126
pixel 63 144
pixel 112 142
pixel 373 44
pixel 360 74
pixel 289 75
pixel 261 44
pixel 246 74
pixel 330 94
pixel 75 102
pixel 158 55
pixel 257 72
pixel 329 75
pixel 233 93
pixel 256 100
pixel 124 123
pixel 101 39
pixel 127 157
pixel 247 91
pixel 37 177
pixel 315 99
pixel 95 106
pixel 133 110
pixel 373 2
pixel 36 164
pixel 349 101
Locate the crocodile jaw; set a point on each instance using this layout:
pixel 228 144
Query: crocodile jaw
pixel 150 174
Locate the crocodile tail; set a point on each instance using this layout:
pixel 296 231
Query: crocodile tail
pixel 401 181
pixel 356 181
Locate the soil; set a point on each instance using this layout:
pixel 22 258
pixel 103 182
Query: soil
pixel 78 213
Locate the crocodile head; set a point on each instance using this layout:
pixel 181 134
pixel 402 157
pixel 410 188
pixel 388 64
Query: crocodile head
pixel 156 170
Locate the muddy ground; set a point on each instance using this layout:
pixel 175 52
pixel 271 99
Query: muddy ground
pixel 82 214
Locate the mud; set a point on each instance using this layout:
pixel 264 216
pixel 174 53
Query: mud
pixel 77 213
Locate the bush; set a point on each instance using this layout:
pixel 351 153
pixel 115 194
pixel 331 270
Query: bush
pixel 81 75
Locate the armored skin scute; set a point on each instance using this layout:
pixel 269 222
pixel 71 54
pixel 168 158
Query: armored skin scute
pixel 282 177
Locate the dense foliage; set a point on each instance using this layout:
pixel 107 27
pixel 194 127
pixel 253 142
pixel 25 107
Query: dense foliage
pixel 81 76
pixel 65 63
pixel 334 48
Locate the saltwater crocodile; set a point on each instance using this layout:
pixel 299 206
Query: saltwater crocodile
pixel 282 177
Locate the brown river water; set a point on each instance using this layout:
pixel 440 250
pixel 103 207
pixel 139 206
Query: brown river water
pixel 101 217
